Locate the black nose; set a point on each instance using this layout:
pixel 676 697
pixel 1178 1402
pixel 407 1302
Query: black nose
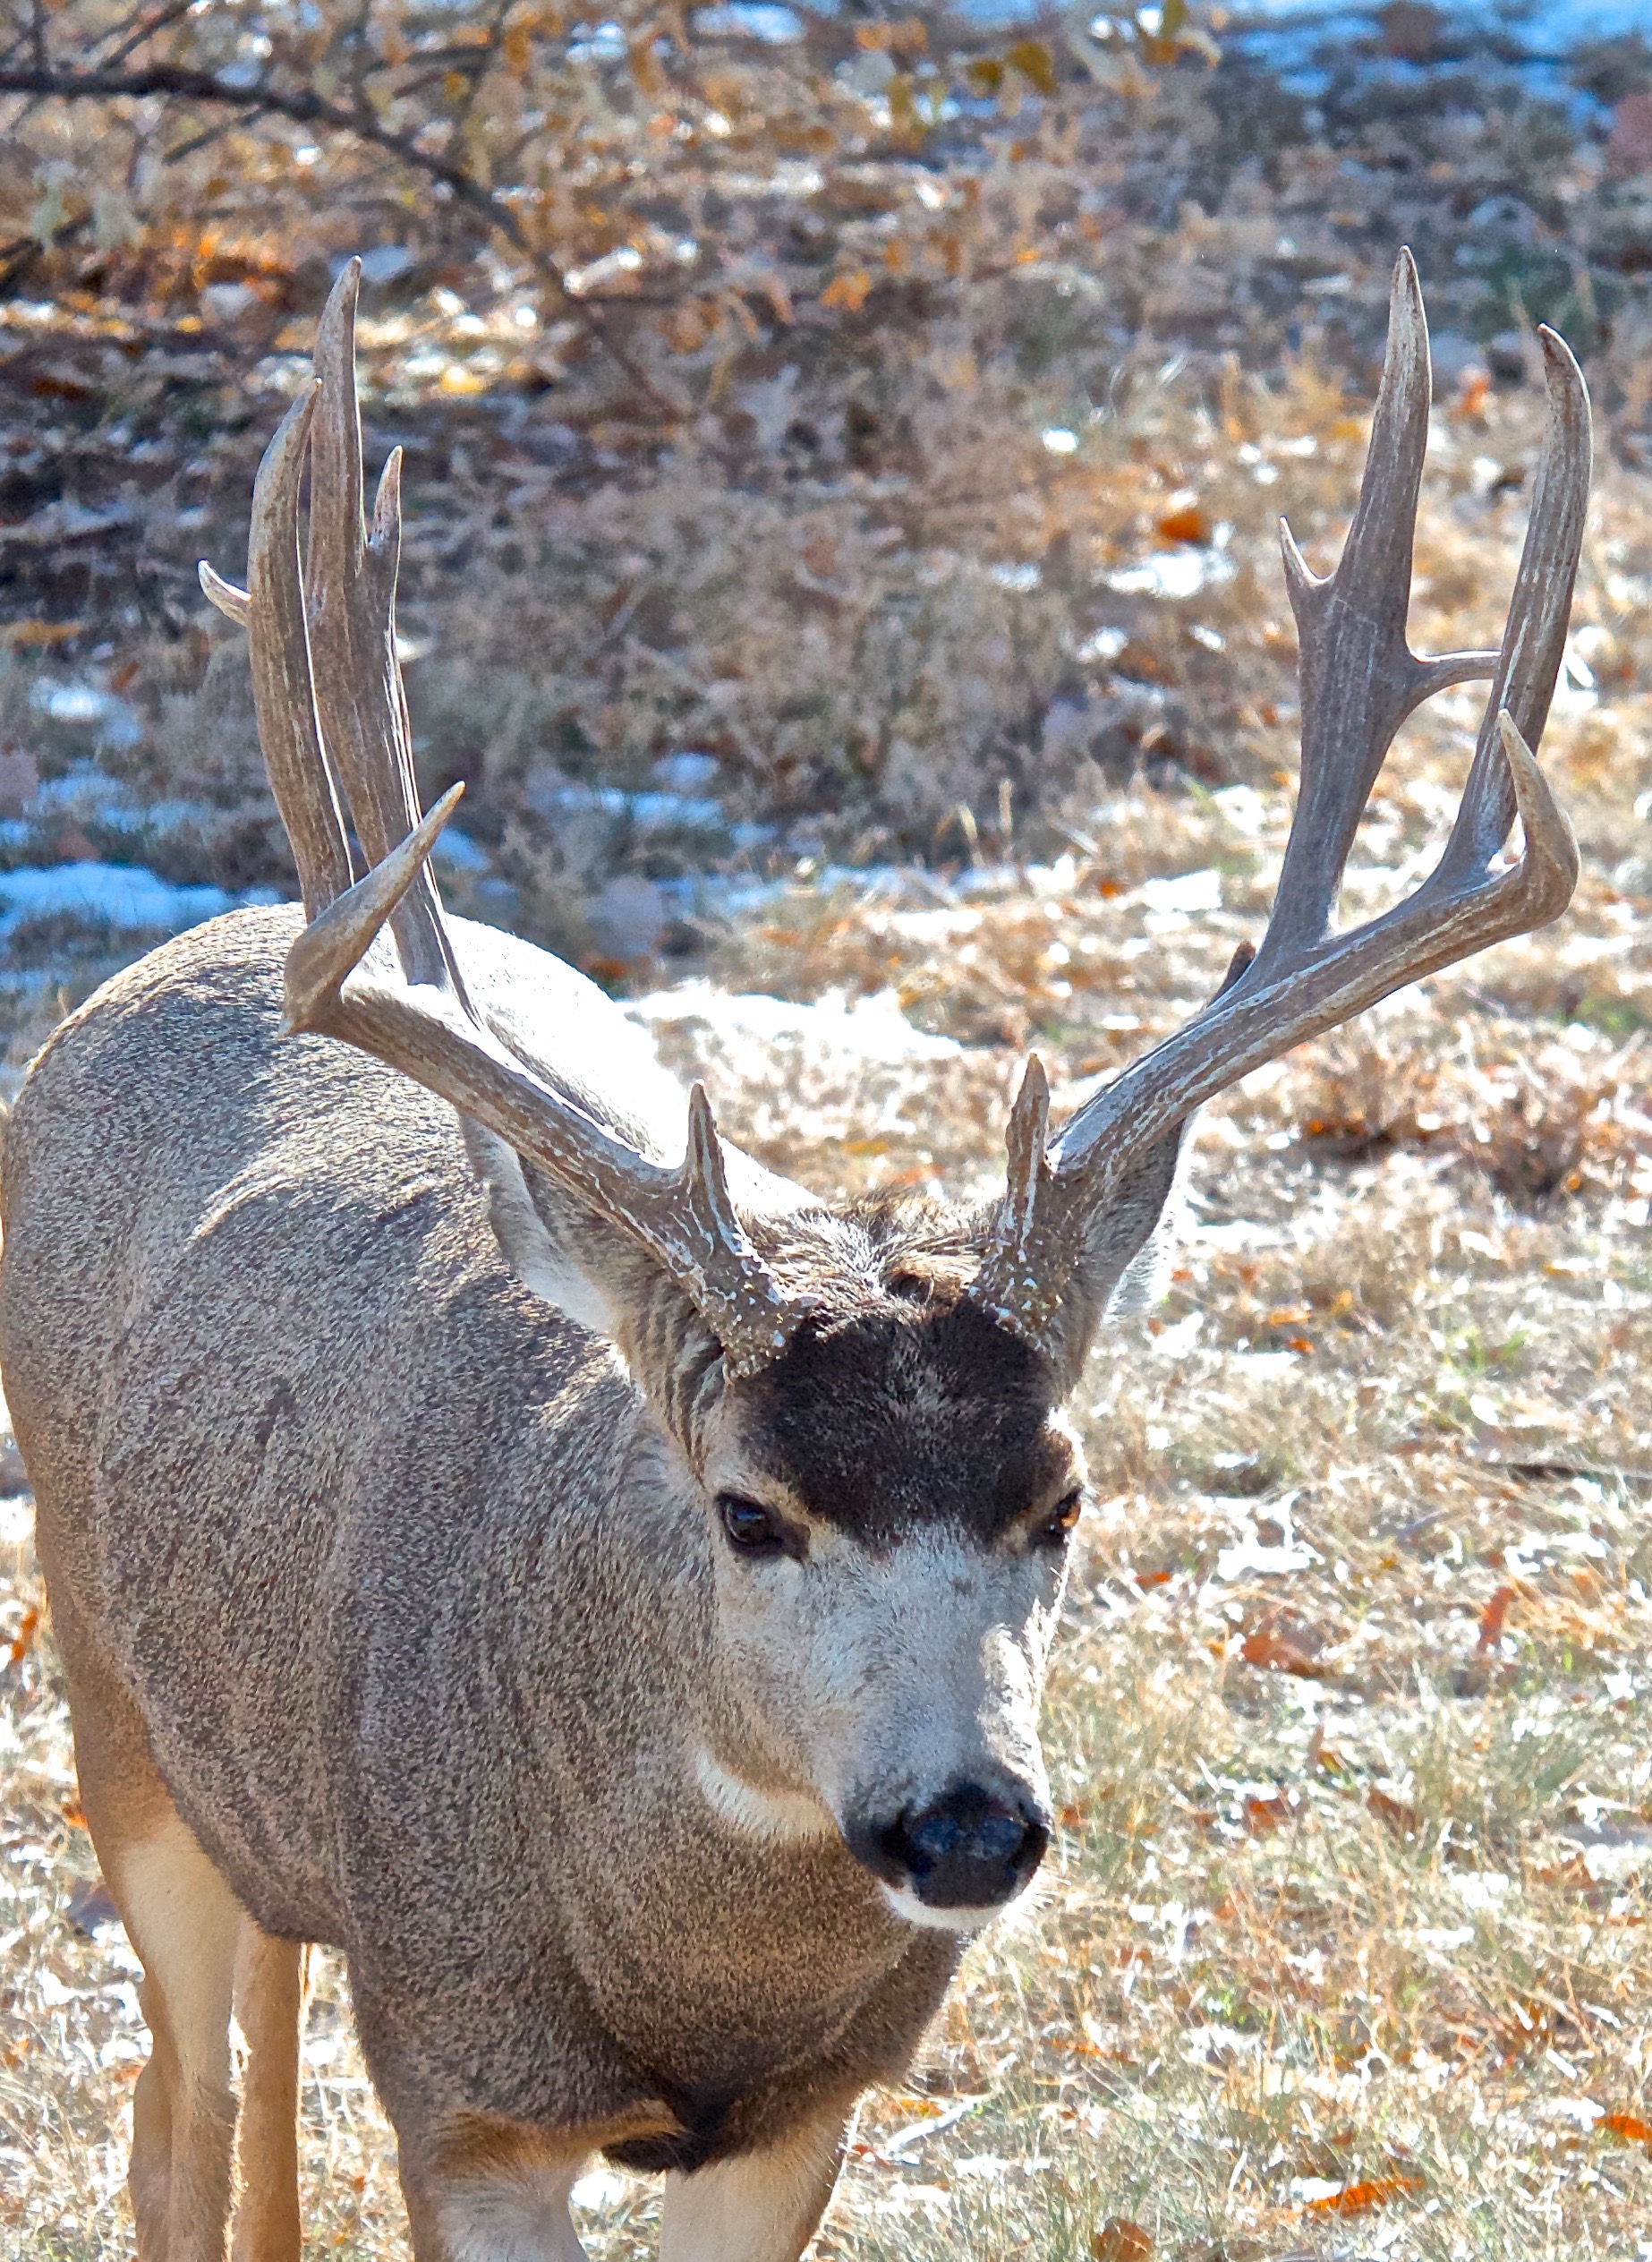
pixel 967 1850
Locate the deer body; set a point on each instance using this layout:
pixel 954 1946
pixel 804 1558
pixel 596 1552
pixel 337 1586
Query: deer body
pixel 497 1528
pixel 398 1570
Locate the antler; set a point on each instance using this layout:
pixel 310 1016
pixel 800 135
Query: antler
pixel 1359 682
pixel 350 711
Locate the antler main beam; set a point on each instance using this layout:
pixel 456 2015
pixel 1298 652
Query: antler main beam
pixel 331 710
pixel 1359 682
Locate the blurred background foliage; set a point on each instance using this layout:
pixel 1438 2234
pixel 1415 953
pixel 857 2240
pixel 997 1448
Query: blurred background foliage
pixel 831 436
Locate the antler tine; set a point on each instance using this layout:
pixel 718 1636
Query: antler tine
pixel 351 584
pixel 683 1217
pixel 1359 678
pixel 1359 683
pixel 272 608
pixel 1535 636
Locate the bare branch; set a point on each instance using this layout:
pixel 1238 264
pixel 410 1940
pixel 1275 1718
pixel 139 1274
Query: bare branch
pixel 302 105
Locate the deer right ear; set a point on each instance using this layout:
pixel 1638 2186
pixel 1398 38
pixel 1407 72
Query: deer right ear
pixel 569 1260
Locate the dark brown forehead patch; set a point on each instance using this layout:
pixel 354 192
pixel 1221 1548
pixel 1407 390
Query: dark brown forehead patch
pixel 885 1423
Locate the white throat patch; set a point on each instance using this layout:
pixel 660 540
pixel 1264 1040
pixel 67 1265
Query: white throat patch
pixel 772 1817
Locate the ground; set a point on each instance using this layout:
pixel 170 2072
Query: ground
pixel 1342 1948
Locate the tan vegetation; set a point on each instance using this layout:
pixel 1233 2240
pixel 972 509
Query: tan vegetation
pixel 1347 1934
pixel 1344 1949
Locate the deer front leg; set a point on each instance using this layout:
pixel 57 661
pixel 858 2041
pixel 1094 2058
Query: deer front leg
pixel 481 2190
pixel 271 1992
pixel 763 2206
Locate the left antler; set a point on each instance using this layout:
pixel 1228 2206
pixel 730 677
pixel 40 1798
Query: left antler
pixel 1359 682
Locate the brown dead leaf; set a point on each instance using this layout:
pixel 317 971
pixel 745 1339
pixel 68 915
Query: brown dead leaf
pixel 1188 523
pixel 1275 1648
pixel 1362 2199
pixel 1404 1821
pixel 24 634
pixel 1493 1617
pixel 1033 59
pixel 1119 2240
pixel 847 294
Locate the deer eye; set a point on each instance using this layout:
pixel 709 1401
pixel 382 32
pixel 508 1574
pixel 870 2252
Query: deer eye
pixel 1058 1526
pixel 750 1527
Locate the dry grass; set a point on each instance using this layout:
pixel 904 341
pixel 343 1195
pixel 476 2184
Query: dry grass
pixel 1344 1948
pixel 1348 1908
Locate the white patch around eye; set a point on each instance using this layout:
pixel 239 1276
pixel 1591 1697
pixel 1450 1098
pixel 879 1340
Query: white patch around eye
pixel 521 2215
pixel 775 1817
pixel 911 1910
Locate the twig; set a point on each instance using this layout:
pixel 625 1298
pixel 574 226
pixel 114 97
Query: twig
pixel 304 107
pixel 145 32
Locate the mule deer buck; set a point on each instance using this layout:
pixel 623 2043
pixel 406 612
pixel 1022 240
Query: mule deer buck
pixel 496 1529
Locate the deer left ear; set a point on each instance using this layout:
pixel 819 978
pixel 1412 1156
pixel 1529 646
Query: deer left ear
pixel 1125 1258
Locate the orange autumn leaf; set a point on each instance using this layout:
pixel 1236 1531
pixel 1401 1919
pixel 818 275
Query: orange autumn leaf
pixel 1630 2126
pixel 1360 2198
pixel 848 291
pixel 1493 1617
pixel 28 1627
pixel 1274 1651
pixel 1264 1815
pixel 1188 524
pixel 1119 2240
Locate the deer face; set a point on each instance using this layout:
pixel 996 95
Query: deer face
pixel 891 1503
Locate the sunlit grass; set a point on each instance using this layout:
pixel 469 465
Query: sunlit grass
pixel 1342 1948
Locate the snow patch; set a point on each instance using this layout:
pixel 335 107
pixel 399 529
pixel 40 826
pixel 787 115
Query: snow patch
pixel 122 896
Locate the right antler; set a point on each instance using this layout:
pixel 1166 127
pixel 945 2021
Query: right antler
pixel 1359 682
pixel 349 709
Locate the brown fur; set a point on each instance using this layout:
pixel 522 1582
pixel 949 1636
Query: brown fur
pixel 399 1589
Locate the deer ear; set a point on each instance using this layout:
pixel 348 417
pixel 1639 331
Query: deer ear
pixel 1128 1247
pixel 560 1254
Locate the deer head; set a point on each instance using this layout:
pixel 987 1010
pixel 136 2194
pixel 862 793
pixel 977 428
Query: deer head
pixel 860 1409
